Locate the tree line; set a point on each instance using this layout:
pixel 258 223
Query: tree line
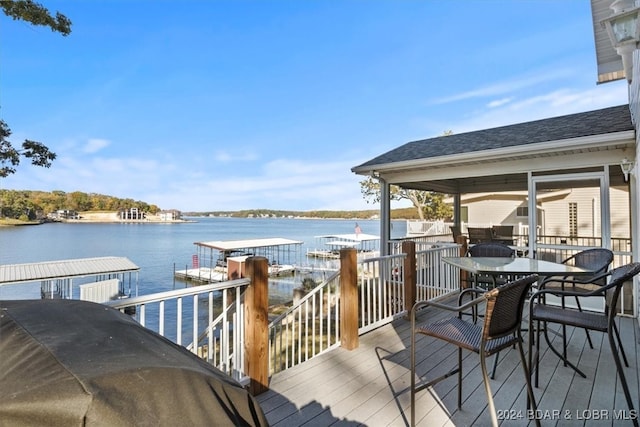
pixel 405 213
pixel 32 205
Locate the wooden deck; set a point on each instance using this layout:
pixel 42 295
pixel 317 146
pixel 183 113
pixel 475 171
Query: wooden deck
pixel 369 385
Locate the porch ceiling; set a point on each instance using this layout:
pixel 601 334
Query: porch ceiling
pixel 499 159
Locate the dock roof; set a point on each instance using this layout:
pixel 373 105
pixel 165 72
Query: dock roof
pixel 230 245
pixel 351 237
pixel 31 272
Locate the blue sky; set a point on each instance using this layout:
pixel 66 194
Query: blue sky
pixel 241 104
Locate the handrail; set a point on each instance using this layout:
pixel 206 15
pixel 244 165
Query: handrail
pixel 220 341
pixel 176 293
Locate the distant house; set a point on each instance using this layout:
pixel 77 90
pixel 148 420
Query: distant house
pixel 62 214
pixel 132 214
pixel 170 215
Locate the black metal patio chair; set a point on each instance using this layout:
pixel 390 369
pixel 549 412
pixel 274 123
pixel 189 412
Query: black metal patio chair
pixel 501 330
pixel 489 249
pixel 503 234
pixel 540 312
pixel 479 235
pixel 597 260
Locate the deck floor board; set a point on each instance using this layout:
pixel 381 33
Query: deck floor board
pixel 370 385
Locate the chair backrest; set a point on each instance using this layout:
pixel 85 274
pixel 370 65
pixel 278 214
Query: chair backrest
pixel 479 235
pixel 618 276
pixel 504 307
pixel 503 230
pixel 596 259
pixel 491 249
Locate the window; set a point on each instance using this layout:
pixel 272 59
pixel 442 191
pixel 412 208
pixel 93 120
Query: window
pixel 522 211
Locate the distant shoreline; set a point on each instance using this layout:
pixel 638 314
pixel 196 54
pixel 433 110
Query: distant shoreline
pixel 113 217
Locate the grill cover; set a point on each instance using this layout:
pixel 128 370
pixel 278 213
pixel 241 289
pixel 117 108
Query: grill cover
pixel 78 363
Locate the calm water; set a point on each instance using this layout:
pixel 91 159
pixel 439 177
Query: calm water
pixel 156 248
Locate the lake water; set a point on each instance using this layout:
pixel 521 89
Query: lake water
pixel 158 248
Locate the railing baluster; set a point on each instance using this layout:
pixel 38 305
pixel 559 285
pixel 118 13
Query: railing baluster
pixel 161 318
pixel 179 322
pixel 194 349
pixel 210 336
pixel 224 333
pixel 142 320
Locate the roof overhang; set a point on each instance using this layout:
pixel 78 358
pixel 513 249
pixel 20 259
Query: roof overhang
pixel 610 66
pixel 504 169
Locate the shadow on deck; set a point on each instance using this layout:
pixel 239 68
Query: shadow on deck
pixel 369 385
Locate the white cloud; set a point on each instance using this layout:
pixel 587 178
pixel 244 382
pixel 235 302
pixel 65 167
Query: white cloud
pixel 507 86
pixel 244 155
pixel 499 102
pixel 95 144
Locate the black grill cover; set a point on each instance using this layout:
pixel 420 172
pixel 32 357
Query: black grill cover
pixel 77 363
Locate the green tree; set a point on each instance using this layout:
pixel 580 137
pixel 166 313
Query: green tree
pixel 429 205
pixel 10 156
pixel 40 155
pixel 36 14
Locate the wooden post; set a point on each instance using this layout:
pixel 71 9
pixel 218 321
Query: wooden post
pixel 256 325
pixel 464 275
pixel 348 299
pixel 409 267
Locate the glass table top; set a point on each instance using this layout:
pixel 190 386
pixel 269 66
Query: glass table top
pixel 496 265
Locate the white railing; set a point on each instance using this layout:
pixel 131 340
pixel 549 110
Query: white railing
pixel 434 278
pixel 419 227
pixel 307 329
pixel 381 291
pixel 214 317
pixel 312 326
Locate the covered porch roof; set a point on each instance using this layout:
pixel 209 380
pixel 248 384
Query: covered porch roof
pixel 499 159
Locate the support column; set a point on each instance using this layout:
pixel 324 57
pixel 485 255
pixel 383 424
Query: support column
pixel 385 216
pixel 349 299
pixel 409 270
pixel 256 325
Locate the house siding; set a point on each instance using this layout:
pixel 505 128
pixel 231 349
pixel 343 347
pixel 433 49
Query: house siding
pixel 554 214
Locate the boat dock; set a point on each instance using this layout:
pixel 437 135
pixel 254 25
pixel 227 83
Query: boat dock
pixel 329 245
pixel 218 261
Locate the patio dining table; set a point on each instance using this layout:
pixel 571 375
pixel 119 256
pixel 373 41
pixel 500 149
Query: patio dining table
pixel 512 268
pixel 498 266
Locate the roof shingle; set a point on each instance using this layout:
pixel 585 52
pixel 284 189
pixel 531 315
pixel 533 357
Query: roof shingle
pixel 607 120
